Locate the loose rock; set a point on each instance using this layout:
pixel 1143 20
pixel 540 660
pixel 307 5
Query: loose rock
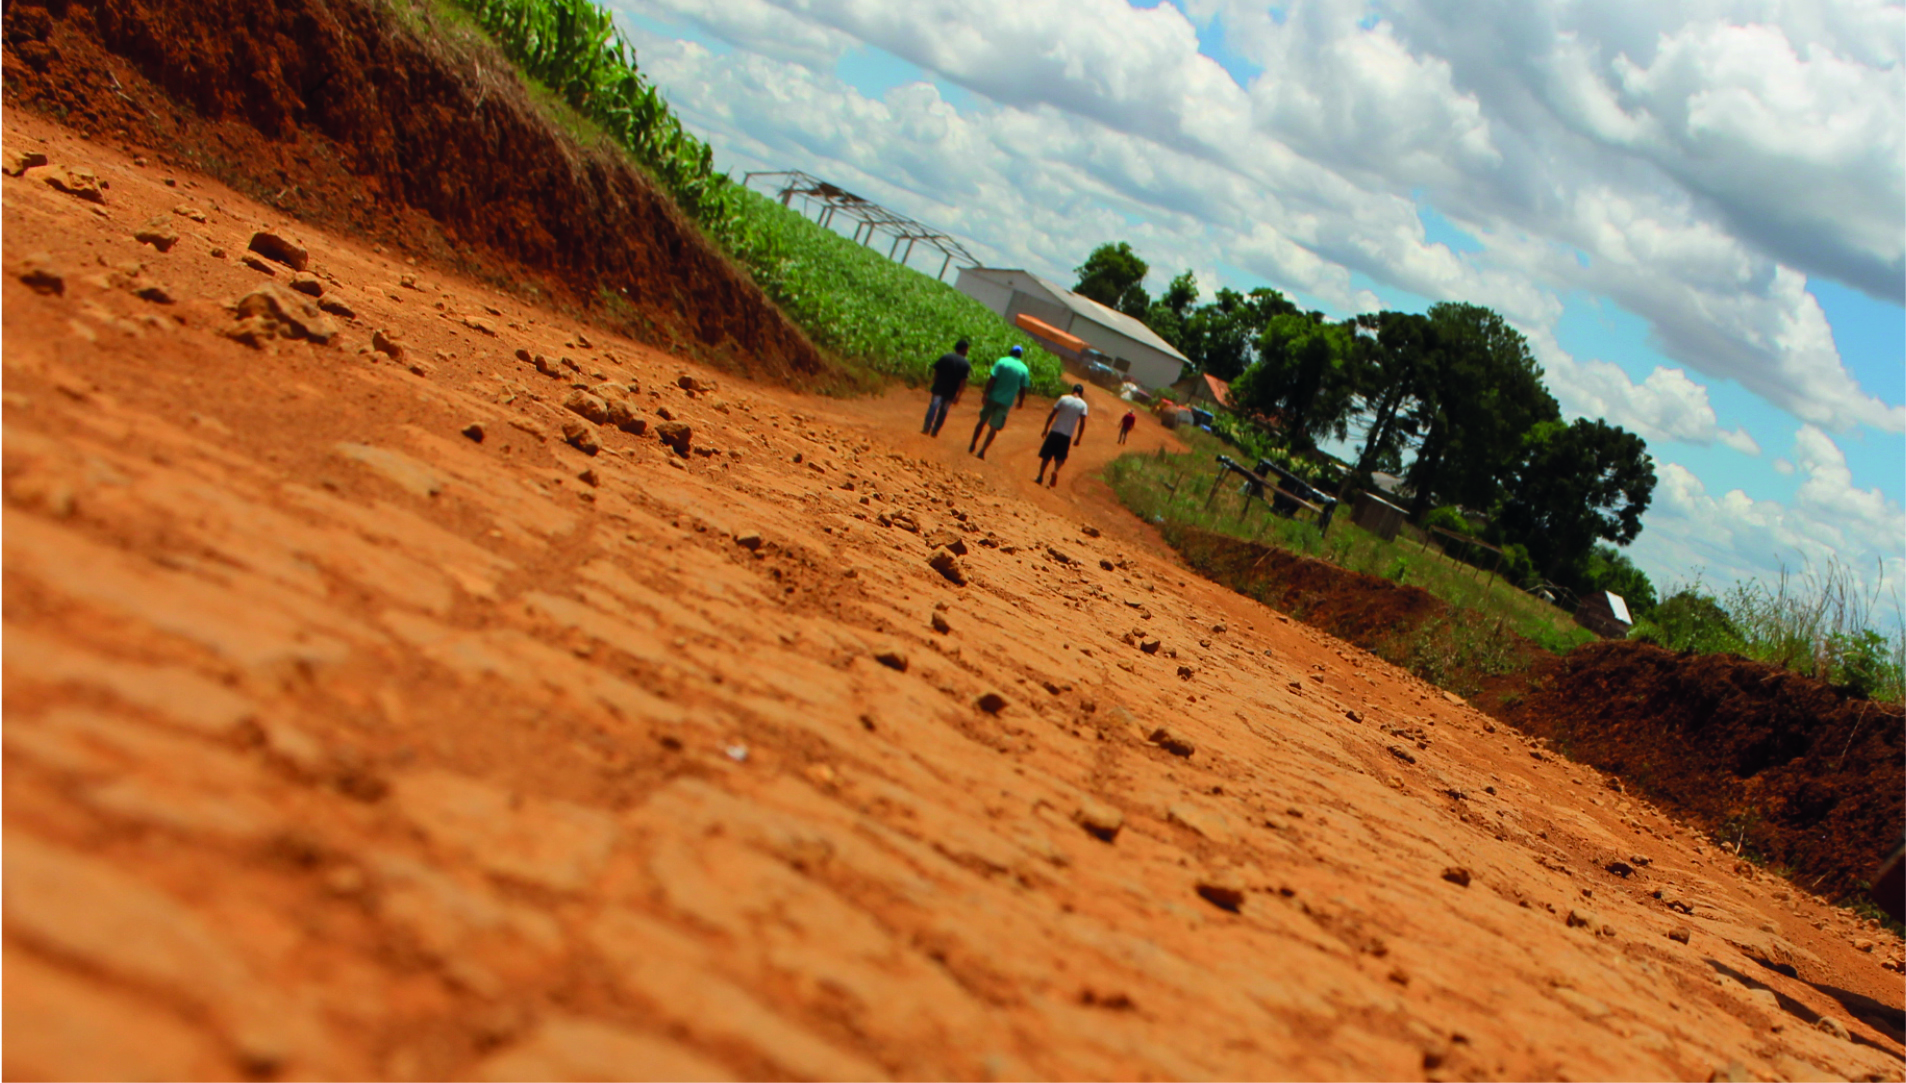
pixel 185 210
pixel 297 316
pixel 1099 819
pixel 383 343
pixel 76 181
pixel 581 437
pixel 480 325
pixel 583 404
pixel 945 539
pixel 892 659
pixel 690 383
pixel 280 246
pixel 588 477
pixel 1832 1026
pixel 622 417
pixel 158 233
pixel 1583 919
pixel 38 277
pixel 940 624
pixel 307 283
pixel 1680 934
pixel 1457 875
pixel 259 265
pixel 1150 646
pixel 1224 890
pixel 474 431
pixel 14 163
pixel 1172 741
pixel 992 703
pixel 676 435
pixel 749 540
pixel 330 303
pixel 949 566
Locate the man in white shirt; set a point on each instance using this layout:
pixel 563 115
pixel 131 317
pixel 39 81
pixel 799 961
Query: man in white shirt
pixel 1065 427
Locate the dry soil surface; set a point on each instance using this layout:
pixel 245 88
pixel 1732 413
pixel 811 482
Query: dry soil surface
pixel 340 743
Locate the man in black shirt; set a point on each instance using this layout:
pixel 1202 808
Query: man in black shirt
pixel 949 383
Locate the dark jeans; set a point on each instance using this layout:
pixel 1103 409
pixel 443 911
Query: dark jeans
pixel 936 414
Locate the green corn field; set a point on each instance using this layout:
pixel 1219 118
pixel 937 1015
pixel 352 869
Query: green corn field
pixel 848 298
pixel 863 306
pixel 573 48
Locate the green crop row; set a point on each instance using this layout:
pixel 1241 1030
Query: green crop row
pixel 848 298
pixel 865 307
pixel 573 48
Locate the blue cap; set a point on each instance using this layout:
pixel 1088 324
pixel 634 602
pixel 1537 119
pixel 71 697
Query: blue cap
pixel 1018 351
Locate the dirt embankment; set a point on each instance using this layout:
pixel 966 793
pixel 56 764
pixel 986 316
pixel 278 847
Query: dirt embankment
pixel 371 118
pixel 1780 764
pixel 1361 608
pixel 1783 766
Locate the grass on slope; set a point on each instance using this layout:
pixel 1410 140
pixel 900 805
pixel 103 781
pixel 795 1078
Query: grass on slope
pixel 857 303
pixel 1144 483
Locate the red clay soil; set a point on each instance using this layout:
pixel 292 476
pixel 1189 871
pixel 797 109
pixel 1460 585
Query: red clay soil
pixel 361 725
pixel 1786 766
pixel 342 113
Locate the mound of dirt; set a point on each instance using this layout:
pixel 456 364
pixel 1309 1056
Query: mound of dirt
pixel 1792 769
pixel 376 118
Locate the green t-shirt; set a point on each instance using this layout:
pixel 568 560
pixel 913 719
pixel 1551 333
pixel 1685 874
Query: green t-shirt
pixel 1010 376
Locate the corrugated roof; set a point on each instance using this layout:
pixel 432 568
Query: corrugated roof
pixel 1101 315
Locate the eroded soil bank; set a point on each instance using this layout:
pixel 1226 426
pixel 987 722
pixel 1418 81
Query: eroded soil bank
pixel 1786 768
pixel 380 119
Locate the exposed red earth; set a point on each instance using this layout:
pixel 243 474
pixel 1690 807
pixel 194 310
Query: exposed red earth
pixel 341 743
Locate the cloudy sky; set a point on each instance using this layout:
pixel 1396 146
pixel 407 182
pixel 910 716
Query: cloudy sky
pixel 1694 209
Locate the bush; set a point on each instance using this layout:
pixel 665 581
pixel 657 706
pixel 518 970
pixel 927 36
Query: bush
pixel 1449 518
pixel 1689 620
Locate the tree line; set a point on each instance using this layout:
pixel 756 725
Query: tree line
pixel 1451 400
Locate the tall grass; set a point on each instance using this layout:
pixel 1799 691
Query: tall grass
pixel 1824 622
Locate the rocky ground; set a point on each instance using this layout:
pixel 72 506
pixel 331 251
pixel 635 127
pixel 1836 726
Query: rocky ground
pixel 371 712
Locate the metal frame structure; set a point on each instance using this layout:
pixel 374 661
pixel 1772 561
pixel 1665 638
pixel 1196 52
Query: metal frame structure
pixel 868 217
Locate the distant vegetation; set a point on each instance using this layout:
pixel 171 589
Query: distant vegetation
pixel 1822 623
pixel 1175 492
pixel 1452 399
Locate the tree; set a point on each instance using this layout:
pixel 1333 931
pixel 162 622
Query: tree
pixel 1114 276
pixel 1393 379
pixel 1608 568
pixel 1574 484
pixel 1484 391
pixel 1168 314
pixel 1221 338
pixel 1305 376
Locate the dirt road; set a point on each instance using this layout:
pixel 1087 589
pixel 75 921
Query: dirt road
pixel 341 743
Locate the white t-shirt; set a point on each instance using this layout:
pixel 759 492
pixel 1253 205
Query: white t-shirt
pixel 1066 414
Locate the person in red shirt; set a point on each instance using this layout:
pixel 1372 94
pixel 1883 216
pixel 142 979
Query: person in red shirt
pixel 1126 424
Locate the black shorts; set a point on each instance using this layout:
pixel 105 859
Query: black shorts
pixel 1056 446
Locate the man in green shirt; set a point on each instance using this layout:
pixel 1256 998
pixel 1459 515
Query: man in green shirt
pixel 1009 381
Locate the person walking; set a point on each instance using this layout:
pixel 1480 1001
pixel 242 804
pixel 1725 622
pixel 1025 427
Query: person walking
pixel 1126 424
pixel 1065 428
pixel 1009 381
pixel 949 383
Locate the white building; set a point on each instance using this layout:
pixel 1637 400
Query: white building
pixel 1135 350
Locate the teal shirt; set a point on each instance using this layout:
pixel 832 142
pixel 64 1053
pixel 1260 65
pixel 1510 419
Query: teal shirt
pixel 1010 377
